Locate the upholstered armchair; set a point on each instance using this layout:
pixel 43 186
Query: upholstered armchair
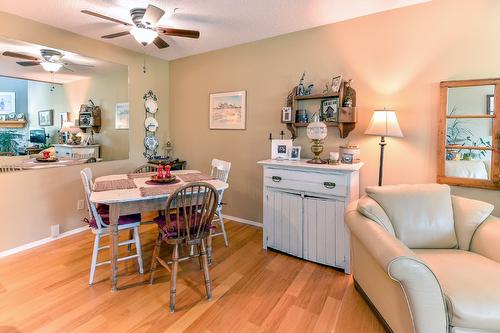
pixel 427 261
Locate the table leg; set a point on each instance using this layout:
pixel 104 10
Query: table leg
pixel 114 214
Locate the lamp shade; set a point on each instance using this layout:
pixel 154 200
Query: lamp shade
pixel 66 126
pixel 144 36
pixel 51 66
pixel 384 123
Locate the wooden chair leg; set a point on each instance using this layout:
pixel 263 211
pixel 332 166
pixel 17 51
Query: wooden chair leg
pixel 200 259
pixel 204 256
pixel 221 222
pixel 138 249
pixel 95 255
pixel 209 248
pixel 130 237
pixel 173 277
pixel 154 261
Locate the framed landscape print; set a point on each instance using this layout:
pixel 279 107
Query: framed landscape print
pixel 46 118
pixel 7 102
pixel 228 110
pixel 121 116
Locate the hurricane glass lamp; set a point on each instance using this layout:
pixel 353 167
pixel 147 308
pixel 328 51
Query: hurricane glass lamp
pixel 316 132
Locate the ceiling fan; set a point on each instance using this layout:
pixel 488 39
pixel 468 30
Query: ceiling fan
pixel 51 60
pixel 144 27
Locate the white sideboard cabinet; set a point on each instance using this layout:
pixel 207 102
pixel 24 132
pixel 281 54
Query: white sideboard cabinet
pixel 304 207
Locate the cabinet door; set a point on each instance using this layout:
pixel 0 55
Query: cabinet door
pixel 283 221
pixel 324 235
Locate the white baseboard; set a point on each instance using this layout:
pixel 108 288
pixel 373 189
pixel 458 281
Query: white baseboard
pixel 240 220
pixel 41 242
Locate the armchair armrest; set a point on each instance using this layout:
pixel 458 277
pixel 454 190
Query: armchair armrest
pixel 421 287
pixel 486 239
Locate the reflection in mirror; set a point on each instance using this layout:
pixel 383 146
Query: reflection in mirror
pixel 58 108
pixel 468 135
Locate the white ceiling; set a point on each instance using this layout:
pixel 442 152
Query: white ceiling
pixel 222 23
pixel 9 67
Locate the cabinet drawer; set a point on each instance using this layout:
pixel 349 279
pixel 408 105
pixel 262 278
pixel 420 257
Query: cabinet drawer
pixel 303 181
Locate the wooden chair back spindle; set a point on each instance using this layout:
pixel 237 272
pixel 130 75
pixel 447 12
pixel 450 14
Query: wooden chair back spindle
pixel 146 168
pixel 191 210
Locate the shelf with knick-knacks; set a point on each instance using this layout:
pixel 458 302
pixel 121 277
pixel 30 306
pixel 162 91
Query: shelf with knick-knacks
pixel 337 108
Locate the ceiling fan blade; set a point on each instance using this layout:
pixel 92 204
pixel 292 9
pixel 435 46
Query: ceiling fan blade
pixel 152 15
pixel 28 63
pixel 74 64
pixel 19 55
pixel 179 32
pixel 67 68
pixel 160 43
pixel 104 17
pixel 118 34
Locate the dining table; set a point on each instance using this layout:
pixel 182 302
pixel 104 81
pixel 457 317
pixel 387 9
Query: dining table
pixel 135 193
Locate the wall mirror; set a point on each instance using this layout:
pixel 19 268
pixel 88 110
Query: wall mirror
pixel 468 153
pixel 74 107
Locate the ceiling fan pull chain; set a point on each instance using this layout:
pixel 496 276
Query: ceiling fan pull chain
pixel 144 63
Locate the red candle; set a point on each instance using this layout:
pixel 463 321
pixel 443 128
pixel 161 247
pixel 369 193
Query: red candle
pixel 167 171
pixel 160 171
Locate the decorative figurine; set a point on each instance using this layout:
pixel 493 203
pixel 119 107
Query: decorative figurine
pixel 327 88
pixel 348 94
pixel 309 89
pixel 300 87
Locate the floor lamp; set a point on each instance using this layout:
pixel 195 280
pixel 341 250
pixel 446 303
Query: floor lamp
pixel 383 123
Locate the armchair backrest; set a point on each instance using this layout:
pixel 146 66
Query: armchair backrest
pixel 421 215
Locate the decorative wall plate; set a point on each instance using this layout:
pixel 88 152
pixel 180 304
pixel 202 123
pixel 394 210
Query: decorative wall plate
pixel 151 124
pixel 151 142
pixel 150 105
pixel 12 116
pixel 20 116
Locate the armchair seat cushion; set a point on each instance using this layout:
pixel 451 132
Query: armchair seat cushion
pixel 471 286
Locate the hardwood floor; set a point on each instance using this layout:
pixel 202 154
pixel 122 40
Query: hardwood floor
pixel 45 290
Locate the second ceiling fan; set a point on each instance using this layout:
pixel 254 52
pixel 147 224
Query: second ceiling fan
pixel 144 27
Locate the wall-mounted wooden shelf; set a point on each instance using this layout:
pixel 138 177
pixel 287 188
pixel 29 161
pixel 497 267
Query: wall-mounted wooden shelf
pixel 12 123
pixel 347 116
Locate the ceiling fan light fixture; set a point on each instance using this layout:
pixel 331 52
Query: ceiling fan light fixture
pixel 144 36
pixel 51 66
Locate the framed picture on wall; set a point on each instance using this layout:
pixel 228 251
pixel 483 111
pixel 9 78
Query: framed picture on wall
pixel 122 119
pixel 7 102
pixel 228 110
pixel 490 104
pixel 46 118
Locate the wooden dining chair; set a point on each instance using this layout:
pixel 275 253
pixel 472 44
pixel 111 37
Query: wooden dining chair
pixel 146 168
pixel 186 221
pixel 99 224
pixel 220 170
pixel 10 168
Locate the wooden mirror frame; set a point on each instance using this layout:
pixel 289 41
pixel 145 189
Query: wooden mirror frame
pixel 494 182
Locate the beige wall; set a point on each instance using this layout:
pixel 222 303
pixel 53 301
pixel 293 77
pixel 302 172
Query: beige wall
pixel 106 91
pixel 396 60
pixel 31 201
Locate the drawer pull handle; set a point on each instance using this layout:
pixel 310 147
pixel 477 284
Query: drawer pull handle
pixel 329 184
pixel 276 179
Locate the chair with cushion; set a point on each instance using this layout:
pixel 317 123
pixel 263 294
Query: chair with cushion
pixel 186 221
pixel 99 224
pixel 220 170
pixel 428 261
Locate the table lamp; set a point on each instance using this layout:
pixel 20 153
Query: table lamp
pixel 316 131
pixel 383 123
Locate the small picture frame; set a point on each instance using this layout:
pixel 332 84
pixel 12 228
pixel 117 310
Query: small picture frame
pixel 330 109
pixel 280 149
pixel 490 105
pixel 286 114
pixel 336 82
pixel 346 158
pixel 295 153
pixel 121 116
pixel 46 118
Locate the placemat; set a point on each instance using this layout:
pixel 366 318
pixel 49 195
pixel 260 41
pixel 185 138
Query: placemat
pixel 116 184
pixel 195 177
pixel 159 189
